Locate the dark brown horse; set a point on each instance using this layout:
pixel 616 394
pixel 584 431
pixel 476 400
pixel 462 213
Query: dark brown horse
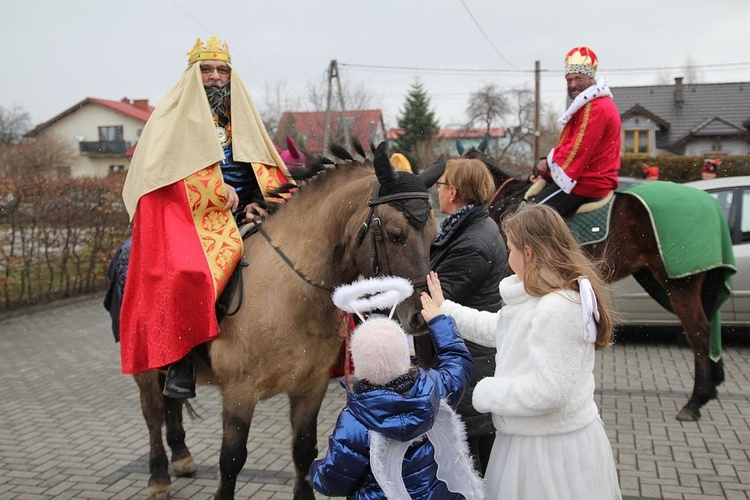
pixel 283 339
pixel 630 247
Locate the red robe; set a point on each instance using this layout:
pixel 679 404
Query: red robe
pixel 586 160
pixel 184 250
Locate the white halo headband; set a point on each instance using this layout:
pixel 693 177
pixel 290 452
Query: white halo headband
pixel 372 294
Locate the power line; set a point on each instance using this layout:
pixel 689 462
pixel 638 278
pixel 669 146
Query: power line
pixel 471 71
pixel 376 67
pixel 485 34
pixel 207 30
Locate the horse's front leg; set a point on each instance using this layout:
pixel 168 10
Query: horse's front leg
pixel 183 464
pixel 152 406
pixel 237 416
pixel 685 297
pixel 304 408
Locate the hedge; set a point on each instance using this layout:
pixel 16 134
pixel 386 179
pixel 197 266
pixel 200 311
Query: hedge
pixel 684 168
pixel 57 237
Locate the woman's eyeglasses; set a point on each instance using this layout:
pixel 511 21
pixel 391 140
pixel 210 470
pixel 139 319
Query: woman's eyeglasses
pixel 438 185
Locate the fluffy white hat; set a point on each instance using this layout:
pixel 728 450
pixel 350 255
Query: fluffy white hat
pixel 380 351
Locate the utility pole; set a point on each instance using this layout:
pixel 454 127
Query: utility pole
pixel 537 108
pixel 333 72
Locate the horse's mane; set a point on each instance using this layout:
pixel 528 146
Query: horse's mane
pixel 319 171
pixel 498 174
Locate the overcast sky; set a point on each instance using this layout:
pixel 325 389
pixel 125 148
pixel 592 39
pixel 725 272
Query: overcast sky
pixel 59 52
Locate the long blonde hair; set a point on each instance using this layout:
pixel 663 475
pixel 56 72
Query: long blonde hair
pixel 556 261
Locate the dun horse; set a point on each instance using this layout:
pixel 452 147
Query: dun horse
pixel 348 221
pixel 631 246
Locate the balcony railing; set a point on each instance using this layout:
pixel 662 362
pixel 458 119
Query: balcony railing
pixel 93 148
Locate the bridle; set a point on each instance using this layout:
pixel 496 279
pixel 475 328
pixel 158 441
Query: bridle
pixel 378 254
pixel 373 225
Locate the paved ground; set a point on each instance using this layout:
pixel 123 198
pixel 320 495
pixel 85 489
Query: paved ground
pixel 70 424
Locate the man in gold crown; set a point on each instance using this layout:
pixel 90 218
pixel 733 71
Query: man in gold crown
pixel 584 165
pixel 203 154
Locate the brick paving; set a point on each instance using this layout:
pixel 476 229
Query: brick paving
pixel 71 427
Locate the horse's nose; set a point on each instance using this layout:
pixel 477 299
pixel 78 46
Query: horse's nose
pixel 417 323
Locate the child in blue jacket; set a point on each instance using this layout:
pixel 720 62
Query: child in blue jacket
pixel 398 432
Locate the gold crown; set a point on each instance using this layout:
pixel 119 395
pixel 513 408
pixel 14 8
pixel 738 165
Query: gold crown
pixel 213 50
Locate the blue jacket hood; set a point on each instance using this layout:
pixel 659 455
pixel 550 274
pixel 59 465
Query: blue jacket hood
pixel 402 417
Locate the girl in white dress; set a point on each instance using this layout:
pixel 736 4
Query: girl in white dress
pixel 551 442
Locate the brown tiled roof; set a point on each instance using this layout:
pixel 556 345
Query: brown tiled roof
pixel 310 126
pixel 456 133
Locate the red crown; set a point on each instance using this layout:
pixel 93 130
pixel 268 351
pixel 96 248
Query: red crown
pixel 582 57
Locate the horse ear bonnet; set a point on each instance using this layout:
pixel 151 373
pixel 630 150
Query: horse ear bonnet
pixel 416 211
pixel 391 181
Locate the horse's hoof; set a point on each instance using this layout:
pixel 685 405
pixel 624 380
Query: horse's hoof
pixel 184 467
pixel 689 415
pixel 160 492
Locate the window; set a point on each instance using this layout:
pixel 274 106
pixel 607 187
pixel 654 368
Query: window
pixel 724 198
pixel 111 133
pixel 745 215
pixel 637 142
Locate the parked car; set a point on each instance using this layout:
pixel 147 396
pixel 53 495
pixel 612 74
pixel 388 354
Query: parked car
pixel 635 306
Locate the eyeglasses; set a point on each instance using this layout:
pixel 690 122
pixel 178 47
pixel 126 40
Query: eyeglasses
pixel 438 184
pixel 222 70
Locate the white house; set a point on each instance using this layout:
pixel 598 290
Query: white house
pixel 104 132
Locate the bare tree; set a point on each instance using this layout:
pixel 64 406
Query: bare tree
pixel 688 71
pixel 276 100
pixel 487 105
pixel 515 152
pixel 42 156
pixel 14 123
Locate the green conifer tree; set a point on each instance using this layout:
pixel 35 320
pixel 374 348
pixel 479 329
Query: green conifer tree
pixel 418 124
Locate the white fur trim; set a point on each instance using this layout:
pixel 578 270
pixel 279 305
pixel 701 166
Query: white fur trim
pixel 558 174
pixel 600 89
pixel 371 294
pixel 535 189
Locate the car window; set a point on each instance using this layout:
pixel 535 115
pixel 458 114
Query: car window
pixel 724 198
pixel 745 215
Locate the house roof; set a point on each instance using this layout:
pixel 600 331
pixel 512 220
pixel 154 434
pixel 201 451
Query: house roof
pixel 310 125
pixel 707 109
pixel 456 133
pixel 138 109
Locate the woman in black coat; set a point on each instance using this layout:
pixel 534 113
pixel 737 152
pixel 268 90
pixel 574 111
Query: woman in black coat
pixel 470 257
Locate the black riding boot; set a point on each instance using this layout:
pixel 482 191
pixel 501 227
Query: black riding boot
pixel 180 380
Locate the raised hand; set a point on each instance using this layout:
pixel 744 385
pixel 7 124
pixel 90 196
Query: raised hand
pixel 433 285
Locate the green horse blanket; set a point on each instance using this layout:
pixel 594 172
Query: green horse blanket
pixel 693 237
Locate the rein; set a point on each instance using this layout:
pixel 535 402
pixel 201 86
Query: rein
pixel 499 189
pixel 373 225
pixel 289 263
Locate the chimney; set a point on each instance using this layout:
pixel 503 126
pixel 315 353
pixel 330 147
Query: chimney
pixel 141 104
pixel 125 100
pixel 679 90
